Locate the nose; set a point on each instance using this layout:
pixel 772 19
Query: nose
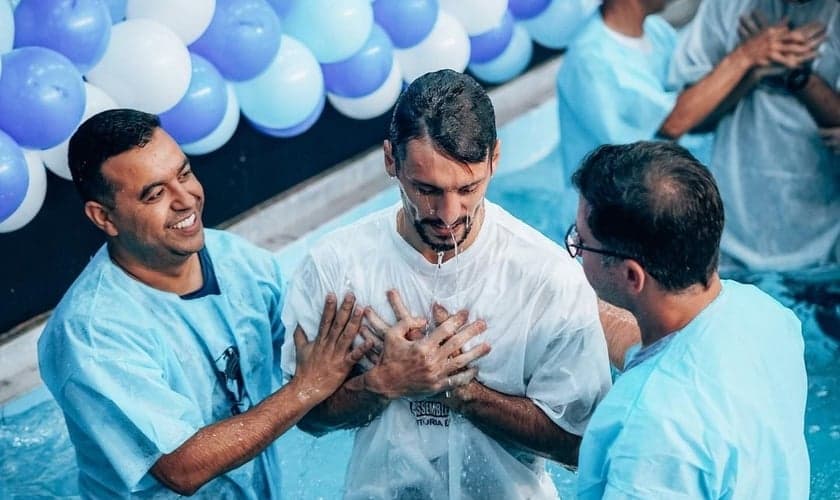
pixel 182 198
pixel 449 208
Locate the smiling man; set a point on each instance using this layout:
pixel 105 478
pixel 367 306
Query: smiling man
pixel 162 355
pixel 460 406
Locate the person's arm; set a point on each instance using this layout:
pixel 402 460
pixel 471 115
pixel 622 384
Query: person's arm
pixel 703 104
pixel 822 102
pixel 322 365
pixel 514 419
pixel 621 331
pixel 408 366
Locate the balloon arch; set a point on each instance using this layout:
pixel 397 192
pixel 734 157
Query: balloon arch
pixel 200 64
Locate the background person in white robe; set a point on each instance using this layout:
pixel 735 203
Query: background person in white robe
pixel 427 428
pixel 779 181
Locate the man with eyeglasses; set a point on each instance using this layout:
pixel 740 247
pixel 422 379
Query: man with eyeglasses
pixel 712 403
pixel 164 353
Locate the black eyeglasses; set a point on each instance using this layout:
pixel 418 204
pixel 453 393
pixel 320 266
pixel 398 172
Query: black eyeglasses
pixel 229 374
pixel 573 246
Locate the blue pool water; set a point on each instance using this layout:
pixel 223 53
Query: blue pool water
pixel 36 457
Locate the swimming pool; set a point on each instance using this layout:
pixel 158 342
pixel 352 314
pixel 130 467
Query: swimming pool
pixel 37 459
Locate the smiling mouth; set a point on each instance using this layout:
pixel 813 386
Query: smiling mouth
pixel 185 223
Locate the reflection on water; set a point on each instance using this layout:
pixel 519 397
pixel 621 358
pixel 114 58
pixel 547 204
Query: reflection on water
pixel 36 458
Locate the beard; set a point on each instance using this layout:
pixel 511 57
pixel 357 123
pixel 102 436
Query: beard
pixel 442 244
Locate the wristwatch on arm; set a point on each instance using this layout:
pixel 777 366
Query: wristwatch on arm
pixel 797 78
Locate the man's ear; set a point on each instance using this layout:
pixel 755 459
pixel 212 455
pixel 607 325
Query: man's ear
pixel 635 276
pixel 100 215
pixel 390 163
pixel 494 158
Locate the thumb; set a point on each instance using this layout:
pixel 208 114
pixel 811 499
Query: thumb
pixel 300 338
pixel 404 325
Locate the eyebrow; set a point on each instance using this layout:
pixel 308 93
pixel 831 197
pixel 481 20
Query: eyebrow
pixel 149 187
pixel 422 184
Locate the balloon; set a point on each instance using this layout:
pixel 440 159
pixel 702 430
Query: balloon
pixel 146 66
pixel 477 16
pixel 296 129
pixel 281 7
pixel 14 176
pixel 117 10
pixel 407 22
pixel 219 137
pixel 365 71
pixel 332 29
pixel 7 27
pixel 374 104
pixel 79 29
pixel 556 26
pixel 526 9
pixel 42 97
pixel 510 63
pixel 202 108
pixel 55 158
pixel 242 38
pixel 287 91
pixel 447 46
pixel 34 197
pixel 187 18
pixel 488 45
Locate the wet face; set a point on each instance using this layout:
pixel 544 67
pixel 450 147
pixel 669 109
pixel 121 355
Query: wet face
pixel 442 198
pixel 604 277
pixel 157 205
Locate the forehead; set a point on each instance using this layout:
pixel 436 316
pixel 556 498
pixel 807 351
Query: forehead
pixel 157 160
pixel 426 164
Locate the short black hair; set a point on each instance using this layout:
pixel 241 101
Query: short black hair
pixel 103 136
pixel 653 200
pixel 450 109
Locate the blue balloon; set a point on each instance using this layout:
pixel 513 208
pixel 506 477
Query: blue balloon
pixel 407 22
pixel 79 29
pixel 490 44
pixel 117 9
pixel 42 97
pixel 202 108
pixel 281 7
pixel 242 38
pixel 526 9
pixel 297 129
pixel 365 71
pixel 14 176
pixel 332 29
pixel 510 63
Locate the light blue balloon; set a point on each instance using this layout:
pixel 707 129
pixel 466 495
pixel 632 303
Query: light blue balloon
pixel 511 62
pixel 332 29
pixel 298 128
pixel 287 91
pixel 7 27
pixel 223 132
pixel 117 10
pixel 557 25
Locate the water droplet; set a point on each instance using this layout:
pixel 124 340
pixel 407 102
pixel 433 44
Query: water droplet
pixel 822 393
pixel 834 434
pixel 813 429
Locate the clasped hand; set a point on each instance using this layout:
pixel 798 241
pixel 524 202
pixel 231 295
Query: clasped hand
pixel 410 363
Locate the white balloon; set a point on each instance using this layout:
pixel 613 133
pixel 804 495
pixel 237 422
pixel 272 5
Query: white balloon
pixel 187 18
pixel 477 16
pixel 7 27
pixel 373 104
pixel 146 66
pixel 224 131
pixel 55 158
pixel 446 47
pixel 287 92
pixel 34 197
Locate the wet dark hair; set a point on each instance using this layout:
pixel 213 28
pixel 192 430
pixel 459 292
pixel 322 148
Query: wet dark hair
pixel 656 202
pixel 103 136
pixel 450 109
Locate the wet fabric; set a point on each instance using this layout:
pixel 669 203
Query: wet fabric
pixel 612 89
pixel 131 368
pixel 779 183
pixel 542 324
pixel 717 411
